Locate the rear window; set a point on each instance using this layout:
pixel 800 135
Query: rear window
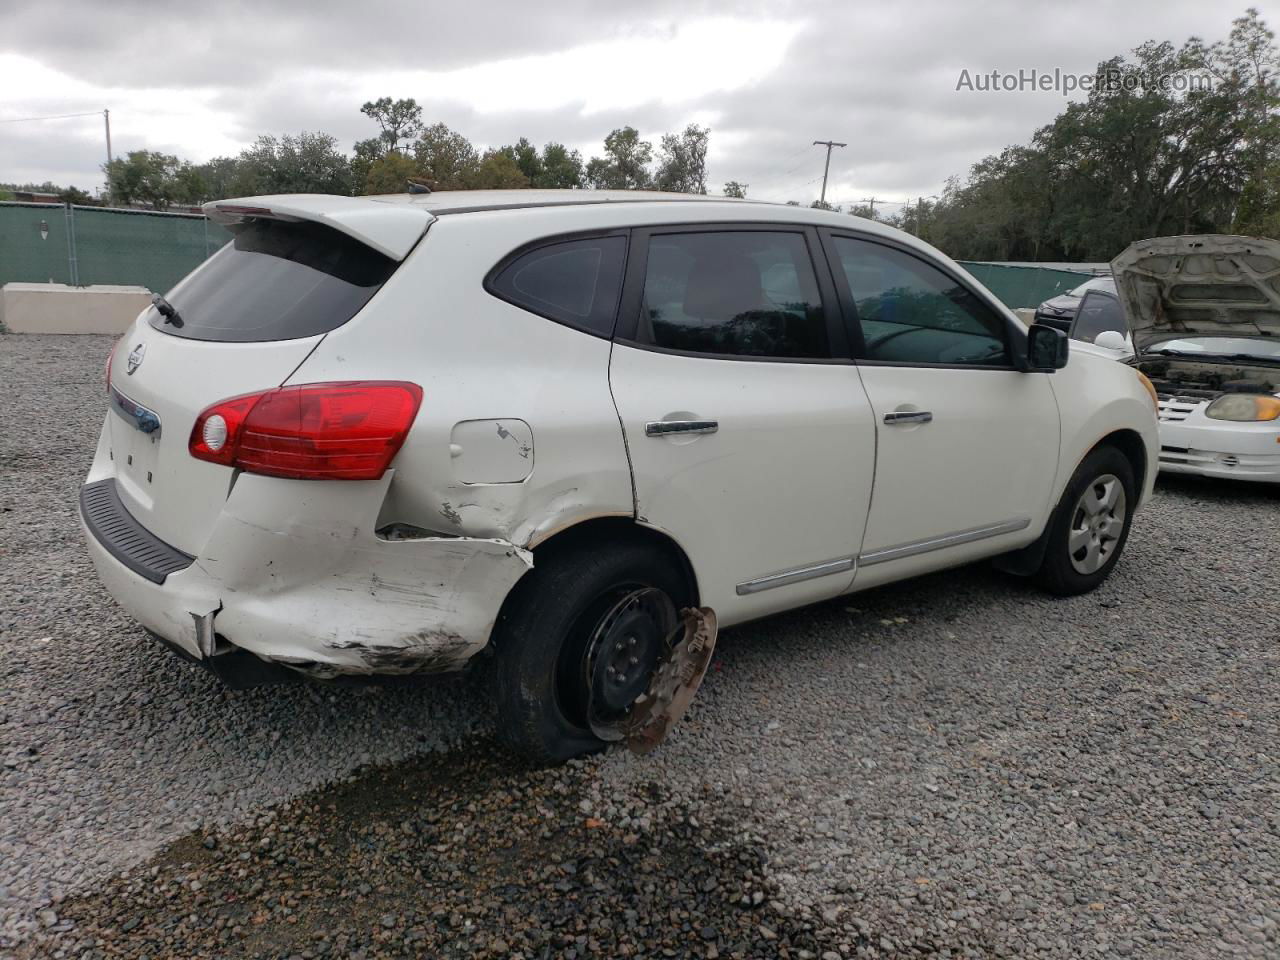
pixel 276 281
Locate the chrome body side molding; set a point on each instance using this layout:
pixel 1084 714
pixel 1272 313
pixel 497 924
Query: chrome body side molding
pixel 795 575
pixel 941 543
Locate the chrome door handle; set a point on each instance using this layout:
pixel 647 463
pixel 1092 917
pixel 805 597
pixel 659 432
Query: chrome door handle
pixel 662 428
pixel 908 416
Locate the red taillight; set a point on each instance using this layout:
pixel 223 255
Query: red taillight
pixel 315 431
pixel 216 434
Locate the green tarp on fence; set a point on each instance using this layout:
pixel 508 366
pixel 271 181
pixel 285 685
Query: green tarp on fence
pixel 40 243
pixel 1024 286
pixel 33 244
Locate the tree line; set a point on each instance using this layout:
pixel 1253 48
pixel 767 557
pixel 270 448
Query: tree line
pixel 405 149
pixel 1138 157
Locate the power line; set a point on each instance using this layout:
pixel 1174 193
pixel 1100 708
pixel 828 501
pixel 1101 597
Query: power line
pixel 775 187
pixel 106 118
pixel 779 177
pixel 876 200
pixel 61 116
pixel 783 176
pixel 792 156
pixel 801 187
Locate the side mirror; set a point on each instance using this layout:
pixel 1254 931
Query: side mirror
pixel 1111 340
pixel 1046 348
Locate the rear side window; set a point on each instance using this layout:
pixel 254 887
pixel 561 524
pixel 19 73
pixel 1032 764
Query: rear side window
pixel 276 281
pixel 1097 314
pixel 574 282
pixel 735 293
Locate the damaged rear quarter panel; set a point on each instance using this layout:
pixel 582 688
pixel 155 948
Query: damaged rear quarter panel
pixel 305 581
pixel 478 358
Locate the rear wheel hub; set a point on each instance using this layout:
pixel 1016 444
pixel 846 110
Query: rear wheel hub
pixel 623 651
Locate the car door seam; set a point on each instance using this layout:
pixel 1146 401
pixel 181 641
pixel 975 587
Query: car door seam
pixel 626 445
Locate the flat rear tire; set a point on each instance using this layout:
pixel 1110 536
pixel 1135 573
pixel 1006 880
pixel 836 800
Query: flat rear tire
pixel 578 639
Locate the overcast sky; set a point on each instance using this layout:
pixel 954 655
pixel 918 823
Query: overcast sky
pixel 204 79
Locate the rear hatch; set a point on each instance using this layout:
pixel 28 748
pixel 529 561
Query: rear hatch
pixel 241 323
pixel 1199 286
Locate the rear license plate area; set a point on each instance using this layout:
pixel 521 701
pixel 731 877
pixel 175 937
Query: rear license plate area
pixel 135 444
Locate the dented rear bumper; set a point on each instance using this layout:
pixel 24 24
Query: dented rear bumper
pixel 293 573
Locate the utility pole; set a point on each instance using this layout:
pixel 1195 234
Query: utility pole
pixel 826 169
pixel 872 201
pixel 106 118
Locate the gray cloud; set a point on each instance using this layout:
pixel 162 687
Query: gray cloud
pixel 881 77
pixel 37 156
pixel 237 43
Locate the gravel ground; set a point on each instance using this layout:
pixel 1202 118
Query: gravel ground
pixel 110 746
pixel 953 766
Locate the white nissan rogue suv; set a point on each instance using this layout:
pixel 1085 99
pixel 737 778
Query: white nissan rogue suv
pixel 381 435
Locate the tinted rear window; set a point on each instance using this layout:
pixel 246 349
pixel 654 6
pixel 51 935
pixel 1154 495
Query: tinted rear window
pixel 276 281
pixel 733 293
pixel 574 282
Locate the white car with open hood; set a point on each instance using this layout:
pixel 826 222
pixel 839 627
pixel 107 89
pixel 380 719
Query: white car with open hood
pixel 565 433
pixel 1200 316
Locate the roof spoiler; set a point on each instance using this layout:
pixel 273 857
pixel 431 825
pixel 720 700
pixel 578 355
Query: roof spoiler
pixel 391 229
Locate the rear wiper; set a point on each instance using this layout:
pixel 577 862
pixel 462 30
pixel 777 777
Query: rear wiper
pixel 166 310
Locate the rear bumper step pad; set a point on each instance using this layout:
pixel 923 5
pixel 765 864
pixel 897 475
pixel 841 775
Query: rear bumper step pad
pixel 124 537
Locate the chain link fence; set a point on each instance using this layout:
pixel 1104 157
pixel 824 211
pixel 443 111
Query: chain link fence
pixel 80 246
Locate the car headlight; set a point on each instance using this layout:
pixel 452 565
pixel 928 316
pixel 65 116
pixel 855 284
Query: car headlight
pixel 1151 389
pixel 1244 407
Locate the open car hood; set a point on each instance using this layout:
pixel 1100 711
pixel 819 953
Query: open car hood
pixel 1204 286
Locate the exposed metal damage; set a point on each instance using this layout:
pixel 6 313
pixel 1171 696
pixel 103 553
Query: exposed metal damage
pixel 329 598
pixel 676 679
pixel 206 639
pixel 675 682
pixel 428 651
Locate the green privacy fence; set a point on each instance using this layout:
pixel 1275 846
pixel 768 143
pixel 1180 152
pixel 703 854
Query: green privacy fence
pixel 1019 285
pixel 42 243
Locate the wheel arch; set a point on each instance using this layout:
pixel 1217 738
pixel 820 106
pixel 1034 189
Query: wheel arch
pixel 1129 443
pixel 1027 560
pixel 601 531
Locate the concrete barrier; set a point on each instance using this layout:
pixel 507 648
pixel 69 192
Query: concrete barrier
pixel 57 308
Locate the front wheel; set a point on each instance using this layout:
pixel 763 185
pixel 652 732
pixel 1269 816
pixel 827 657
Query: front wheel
pixel 578 642
pixel 1091 524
